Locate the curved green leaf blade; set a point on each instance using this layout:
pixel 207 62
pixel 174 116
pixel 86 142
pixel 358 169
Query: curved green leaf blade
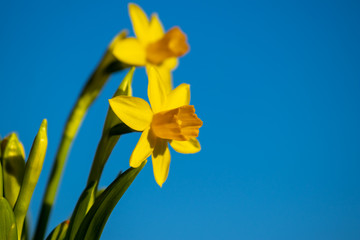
pixel 25 231
pixel 85 201
pixel 94 222
pixel 7 221
pixel 32 172
pixel 59 232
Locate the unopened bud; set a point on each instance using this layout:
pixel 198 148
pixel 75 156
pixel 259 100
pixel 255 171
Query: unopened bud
pixel 13 164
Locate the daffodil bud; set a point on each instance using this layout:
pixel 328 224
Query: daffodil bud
pixel 13 163
pixel 31 175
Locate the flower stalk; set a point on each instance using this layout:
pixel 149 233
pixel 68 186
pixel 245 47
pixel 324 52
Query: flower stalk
pixel 109 140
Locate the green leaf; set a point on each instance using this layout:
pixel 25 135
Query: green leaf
pixel 32 172
pixel 25 231
pixel 59 232
pixel 94 222
pixel 85 201
pixel 8 229
pixel 100 191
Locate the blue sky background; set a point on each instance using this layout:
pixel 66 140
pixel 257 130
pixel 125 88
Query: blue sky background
pixel 277 84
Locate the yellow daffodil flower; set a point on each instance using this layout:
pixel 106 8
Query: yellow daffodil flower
pixel 152 47
pixel 170 119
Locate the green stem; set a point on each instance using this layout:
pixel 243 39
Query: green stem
pixel 105 147
pixel 108 139
pixel 92 89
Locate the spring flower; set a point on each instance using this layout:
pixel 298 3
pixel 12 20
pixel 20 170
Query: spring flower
pixel 152 46
pixel 170 119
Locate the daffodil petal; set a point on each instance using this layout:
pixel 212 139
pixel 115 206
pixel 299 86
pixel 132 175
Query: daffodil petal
pixel 140 22
pixel 161 161
pixel 178 97
pixel 134 112
pixel 156 30
pixel 143 149
pixel 166 78
pixel 156 89
pixel 190 146
pixel 130 51
pixel 119 37
pixel 170 63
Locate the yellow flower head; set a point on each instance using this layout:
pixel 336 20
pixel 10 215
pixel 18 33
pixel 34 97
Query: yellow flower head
pixel 170 119
pixel 152 47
